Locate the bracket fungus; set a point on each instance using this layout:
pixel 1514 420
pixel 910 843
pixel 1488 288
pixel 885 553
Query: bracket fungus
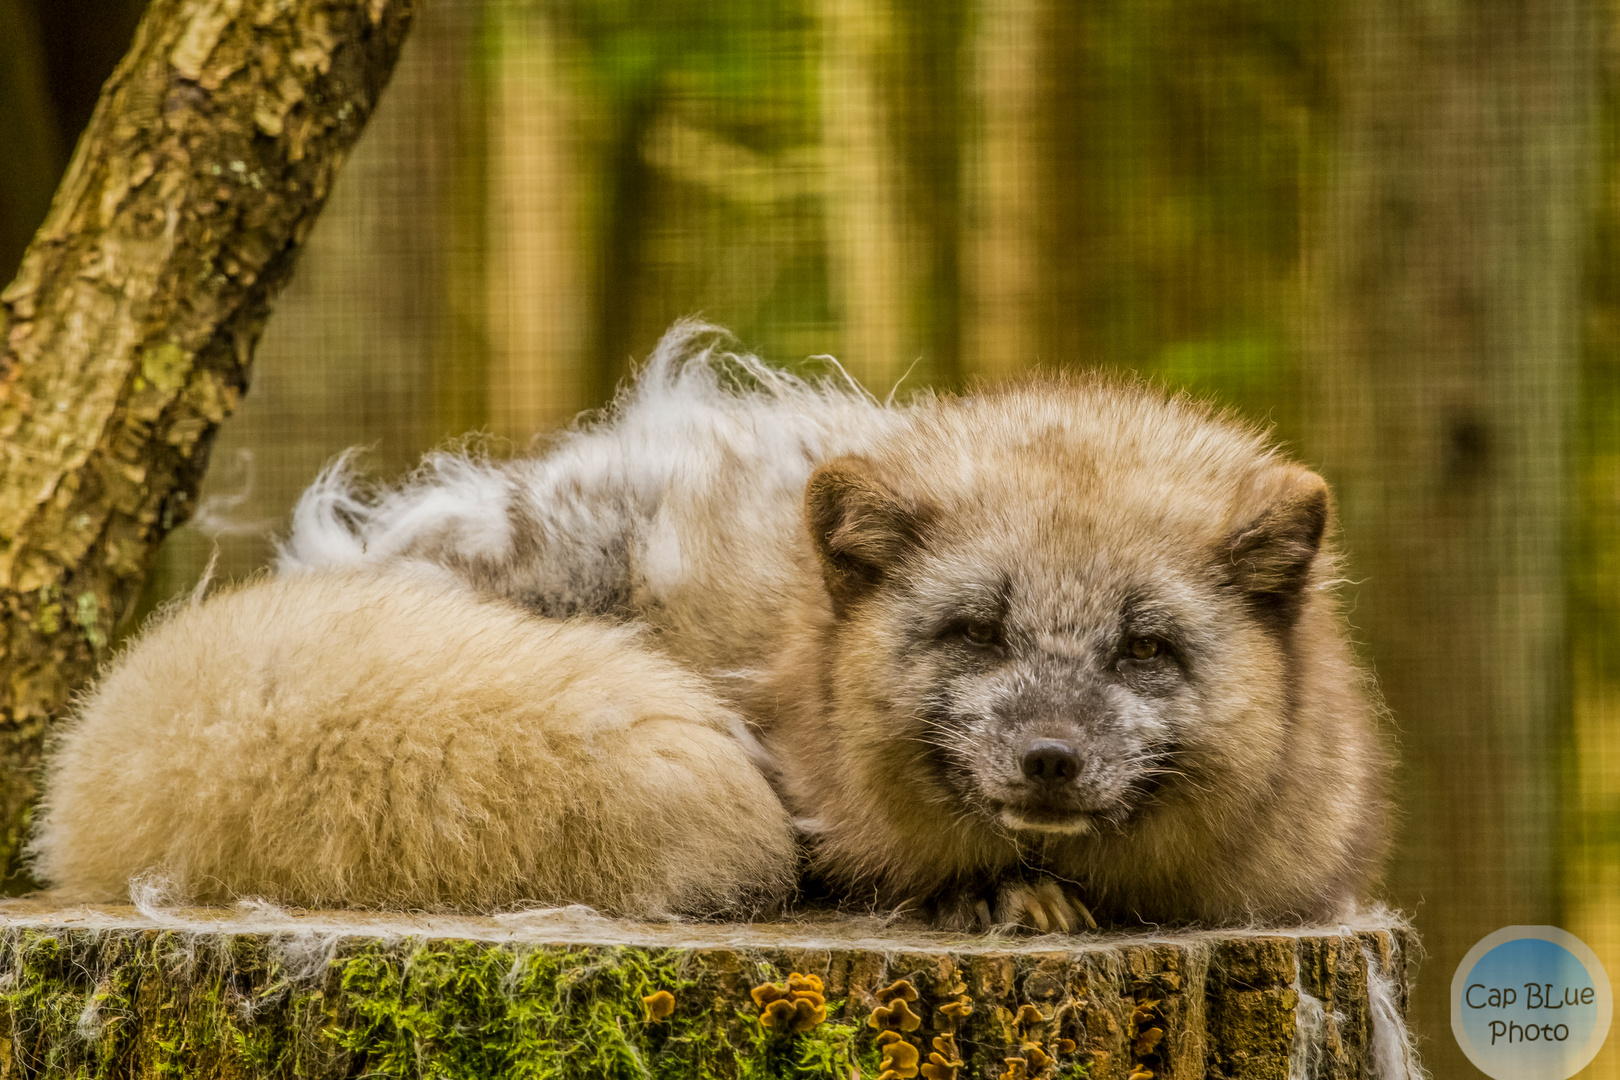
pixel 944 1061
pixel 899 990
pixel 1147 1032
pixel 1034 1046
pixel 659 1006
pixel 791 1009
pixel 894 1010
pixel 900 1056
pixel 893 1018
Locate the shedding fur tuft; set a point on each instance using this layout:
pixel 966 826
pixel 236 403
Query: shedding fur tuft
pixel 324 521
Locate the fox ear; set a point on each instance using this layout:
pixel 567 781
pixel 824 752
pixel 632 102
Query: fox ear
pixel 1269 555
pixel 861 527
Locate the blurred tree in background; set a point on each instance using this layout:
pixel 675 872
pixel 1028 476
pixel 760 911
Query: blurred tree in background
pixel 54 55
pixel 1444 369
pixel 1388 230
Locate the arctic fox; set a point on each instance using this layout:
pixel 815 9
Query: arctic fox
pixel 1063 648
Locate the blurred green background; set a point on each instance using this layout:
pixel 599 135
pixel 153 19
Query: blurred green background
pixel 1390 230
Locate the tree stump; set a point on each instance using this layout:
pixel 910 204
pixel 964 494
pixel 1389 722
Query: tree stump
pixel 258 992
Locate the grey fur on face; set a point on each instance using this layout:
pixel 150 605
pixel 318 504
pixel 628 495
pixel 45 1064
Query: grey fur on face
pixel 1050 712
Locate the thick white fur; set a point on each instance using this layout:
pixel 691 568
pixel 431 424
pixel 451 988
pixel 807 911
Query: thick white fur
pixel 392 740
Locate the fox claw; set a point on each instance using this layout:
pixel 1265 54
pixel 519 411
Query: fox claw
pixel 1046 907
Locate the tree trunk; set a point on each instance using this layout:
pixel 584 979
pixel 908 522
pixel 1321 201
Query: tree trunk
pixel 1013 76
pixel 537 308
pixel 1450 278
pixel 129 331
pixel 892 105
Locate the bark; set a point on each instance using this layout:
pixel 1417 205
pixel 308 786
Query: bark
pixel 129 331
pixel 1450 276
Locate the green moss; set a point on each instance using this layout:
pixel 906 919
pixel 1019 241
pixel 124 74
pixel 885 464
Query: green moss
pixel 831 1049
pixel 165 366
pixel 62 1021
pixel 171 1005
pixel 468 1010
pixel 50 611
pixel 87 615
pixel 462 1009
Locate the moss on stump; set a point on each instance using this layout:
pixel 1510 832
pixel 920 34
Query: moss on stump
pixel 112 992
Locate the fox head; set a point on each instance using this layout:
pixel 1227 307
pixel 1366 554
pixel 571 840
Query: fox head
pixel 1065 611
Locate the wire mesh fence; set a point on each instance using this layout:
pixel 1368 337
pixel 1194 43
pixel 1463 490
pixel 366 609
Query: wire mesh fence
pixel 1387 231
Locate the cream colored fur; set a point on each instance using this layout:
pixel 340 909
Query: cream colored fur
pixel 391 740
pixel 508 681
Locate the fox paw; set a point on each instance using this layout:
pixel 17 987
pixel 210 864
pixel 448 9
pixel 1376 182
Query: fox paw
pixel 1045 906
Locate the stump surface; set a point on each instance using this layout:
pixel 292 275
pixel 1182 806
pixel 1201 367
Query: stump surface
pixel 258 992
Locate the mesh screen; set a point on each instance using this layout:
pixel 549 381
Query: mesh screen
pixel 1387 232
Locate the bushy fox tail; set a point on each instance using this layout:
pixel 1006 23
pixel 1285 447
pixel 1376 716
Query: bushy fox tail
pixel 349 738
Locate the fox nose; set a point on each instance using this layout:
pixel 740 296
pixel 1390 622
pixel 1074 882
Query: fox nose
pixel 1051 761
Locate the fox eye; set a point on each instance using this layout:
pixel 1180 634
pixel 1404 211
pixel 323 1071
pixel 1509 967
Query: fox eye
pixel 1144 648
pixel 979 634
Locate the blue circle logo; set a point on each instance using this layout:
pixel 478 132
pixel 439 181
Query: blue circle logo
pixel 1530 1003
